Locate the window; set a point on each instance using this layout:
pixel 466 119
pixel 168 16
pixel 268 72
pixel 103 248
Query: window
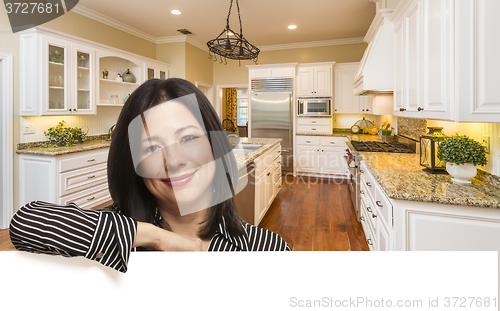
pixel 242 112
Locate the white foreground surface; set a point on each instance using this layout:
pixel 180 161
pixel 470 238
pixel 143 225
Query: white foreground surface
pixel 248 281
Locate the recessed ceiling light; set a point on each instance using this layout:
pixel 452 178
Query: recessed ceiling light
pixel 176 12
pixel 292 27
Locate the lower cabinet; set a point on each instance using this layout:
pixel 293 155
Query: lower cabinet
pixel 267 181
pixel 403 225
pixel 321 155
pixel 77 177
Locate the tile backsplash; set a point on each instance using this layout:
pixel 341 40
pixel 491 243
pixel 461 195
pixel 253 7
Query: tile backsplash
pixel 412 127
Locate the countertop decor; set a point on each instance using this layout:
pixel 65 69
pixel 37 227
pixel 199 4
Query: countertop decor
pixel 64 136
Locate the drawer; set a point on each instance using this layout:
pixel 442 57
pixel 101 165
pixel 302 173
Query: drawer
pixel 276 174
pixel 277 187
pixel 83 160
pixel 308 140
pixel 332 141
pixel 78 180
pixel 313 129
pixel 314 121
pixel 369 181
pixel 368 228
pixel 89 198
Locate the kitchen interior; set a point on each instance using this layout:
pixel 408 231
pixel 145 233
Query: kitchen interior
pixel 336 124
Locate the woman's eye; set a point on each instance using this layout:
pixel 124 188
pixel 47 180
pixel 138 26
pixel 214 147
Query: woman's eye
pixel 152 148
pixel 188 138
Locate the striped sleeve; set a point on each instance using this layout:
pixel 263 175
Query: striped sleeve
pixel 265 240
pixel 45 228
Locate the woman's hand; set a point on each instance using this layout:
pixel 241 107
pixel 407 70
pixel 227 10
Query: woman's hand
pixel 158 239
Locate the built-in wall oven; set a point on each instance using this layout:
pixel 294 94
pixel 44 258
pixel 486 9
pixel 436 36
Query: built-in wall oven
pixel 314 106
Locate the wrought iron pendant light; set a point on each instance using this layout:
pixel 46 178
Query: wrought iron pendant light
pixel 233 46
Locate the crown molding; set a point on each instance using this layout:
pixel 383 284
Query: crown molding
pixel 183 38
pixel 112 23
pixel 301 45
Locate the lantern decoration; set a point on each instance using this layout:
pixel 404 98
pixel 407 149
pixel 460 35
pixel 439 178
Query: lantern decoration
pixel 429 148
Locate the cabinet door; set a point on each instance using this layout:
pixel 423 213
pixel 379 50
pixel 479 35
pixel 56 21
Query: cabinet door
pixel 323 81
pixel 331 160
pixel 412 57
pixel 269 187
pixel 150 71
pixel 83 80
pixel 162 72
pixel 305 82
pixel 55 76
pixel 345 101
pixel 383 238
pixel 399 69
pixel 365 104
pixel 307 159
pixel 260 197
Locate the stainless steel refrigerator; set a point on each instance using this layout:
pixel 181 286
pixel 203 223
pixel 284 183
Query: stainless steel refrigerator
pixel 271 114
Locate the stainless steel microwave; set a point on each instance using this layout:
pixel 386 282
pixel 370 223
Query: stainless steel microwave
pixel 317 106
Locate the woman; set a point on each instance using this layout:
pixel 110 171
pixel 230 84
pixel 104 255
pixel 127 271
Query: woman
pixel 171 175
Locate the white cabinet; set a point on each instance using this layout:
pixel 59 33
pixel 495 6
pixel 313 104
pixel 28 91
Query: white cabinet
pixel 57 75
pixel 267 181
pixel 345 101
pixel 155 70
pixel 446 60
pixel 314 125
pixel 271 71
pixel 77 177
pixel 320 155
pixel 314 79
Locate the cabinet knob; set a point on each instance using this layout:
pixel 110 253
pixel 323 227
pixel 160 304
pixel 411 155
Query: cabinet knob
pixel 90 199
pixel 308 141
pixel 362 110
pixel 379 204
pixel 420 109
pixel 369 209
pixel 374 216
pixel 318 150
pixel 367 109
pixel 335 109
pixel 268 174
pixel 91 160
pixel 332 142
pixel 313 129
pixel 279 162
pixel 369 241
pixel 90 177
pixel 368 184
pixel 361 171
pixel 361 191
pixel 313 121
pixel 362 218
pixel 279 186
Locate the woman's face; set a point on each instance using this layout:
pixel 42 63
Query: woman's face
pixel 177 164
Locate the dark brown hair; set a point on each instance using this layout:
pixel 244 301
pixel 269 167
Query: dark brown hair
pixel 128 191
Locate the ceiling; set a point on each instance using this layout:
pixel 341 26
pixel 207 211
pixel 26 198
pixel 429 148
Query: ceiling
pixel 264 22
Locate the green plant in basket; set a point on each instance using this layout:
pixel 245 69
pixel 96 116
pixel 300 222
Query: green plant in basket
pixel 64 136
pixel 461 150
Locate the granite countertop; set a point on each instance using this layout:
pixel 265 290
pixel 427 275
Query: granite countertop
pixel 245 158
pixel 401 177
pixel 100 141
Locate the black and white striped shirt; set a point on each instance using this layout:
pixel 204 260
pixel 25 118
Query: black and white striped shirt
pixel 107 237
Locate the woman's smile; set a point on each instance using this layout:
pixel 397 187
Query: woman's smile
pixel 178 181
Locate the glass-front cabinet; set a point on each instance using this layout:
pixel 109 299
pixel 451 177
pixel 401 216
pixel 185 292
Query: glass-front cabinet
pixel 67 78
pixel 84 84
pixel 56 86
pixel 155 71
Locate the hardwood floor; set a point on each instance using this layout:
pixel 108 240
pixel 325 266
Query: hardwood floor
pixel 315 214
pixel 311 214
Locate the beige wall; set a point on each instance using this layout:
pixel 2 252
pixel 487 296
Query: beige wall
pixel 175 55
pixel 86 28
pixel 198 66
pixel 232 73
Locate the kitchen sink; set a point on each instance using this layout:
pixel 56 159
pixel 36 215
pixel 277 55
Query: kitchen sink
pixel 246 148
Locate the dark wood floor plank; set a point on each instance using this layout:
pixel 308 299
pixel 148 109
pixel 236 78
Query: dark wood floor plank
pixel 315 214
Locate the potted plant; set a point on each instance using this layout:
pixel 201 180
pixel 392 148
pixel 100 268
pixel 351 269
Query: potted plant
pixel 60 136
pixel 462 156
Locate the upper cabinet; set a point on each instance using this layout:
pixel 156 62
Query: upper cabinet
pixel 57 76
pixel 271 71
pixel 63 75
pixel 314 79
pixel 446 60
